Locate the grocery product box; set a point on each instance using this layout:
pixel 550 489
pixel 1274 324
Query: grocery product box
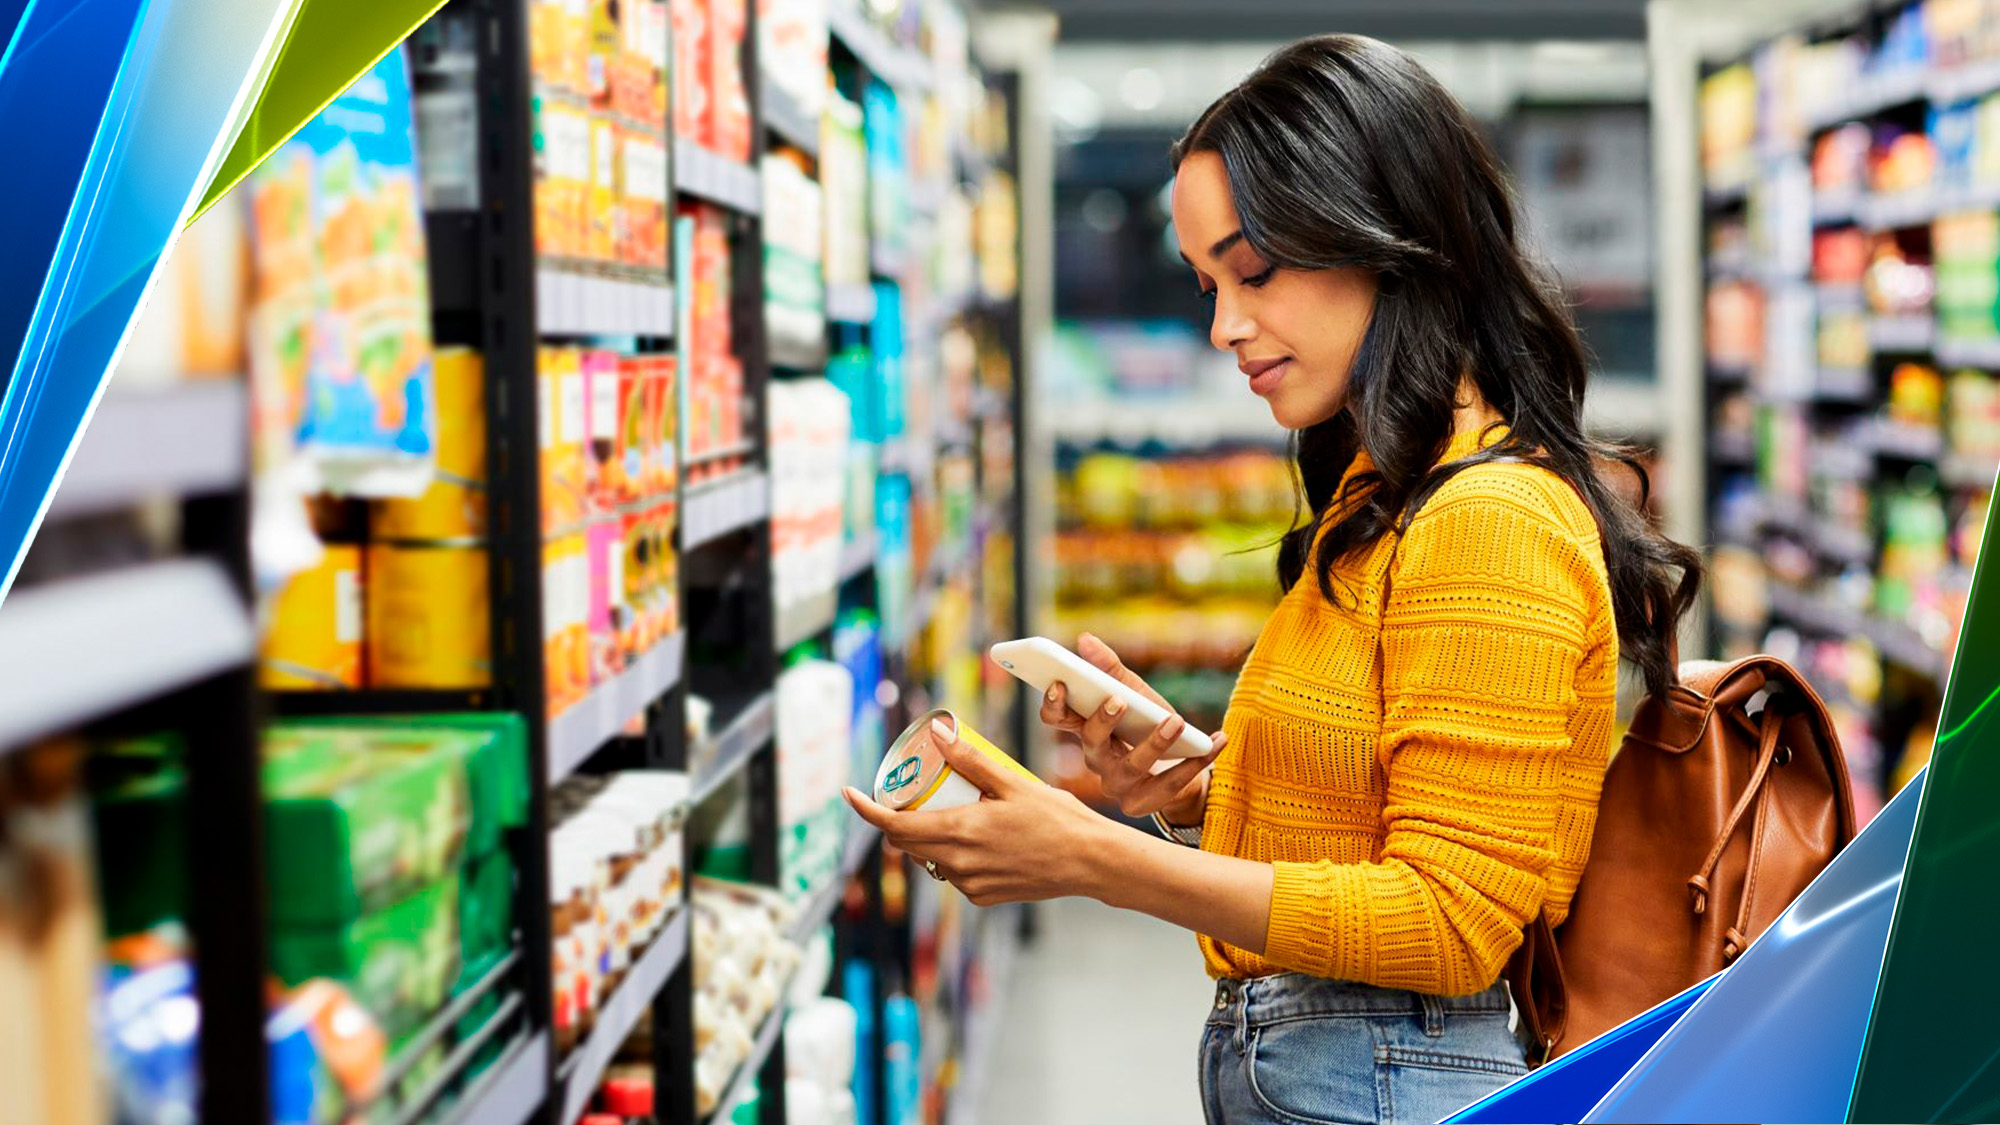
pixel 352 824
pixel 399 962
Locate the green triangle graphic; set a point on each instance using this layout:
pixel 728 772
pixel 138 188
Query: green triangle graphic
pixel 1933 1052
pixel 331 43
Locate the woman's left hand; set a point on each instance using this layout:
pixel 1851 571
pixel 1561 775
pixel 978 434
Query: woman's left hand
pixel 1024 842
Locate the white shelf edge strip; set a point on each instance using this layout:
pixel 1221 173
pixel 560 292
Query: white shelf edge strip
pixel 76 650
pixel 183 440
pixel 734 746
pixel 577 304
pixel 591 722
pixel 767 1037
pixel 806 618
pixel 627 1006
pixel 713 511
pixel 510 1093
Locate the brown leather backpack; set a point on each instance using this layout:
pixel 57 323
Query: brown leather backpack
pixel 1714 817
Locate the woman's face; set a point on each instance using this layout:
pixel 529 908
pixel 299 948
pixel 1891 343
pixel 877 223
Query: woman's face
pixel 1294 332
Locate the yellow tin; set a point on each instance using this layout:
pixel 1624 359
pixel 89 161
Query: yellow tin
pixel 314 640
pixel 914 774
pixel 429 622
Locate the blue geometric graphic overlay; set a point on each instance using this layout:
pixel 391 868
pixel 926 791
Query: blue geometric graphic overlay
pixel 1566 1089
pixel 1778 1036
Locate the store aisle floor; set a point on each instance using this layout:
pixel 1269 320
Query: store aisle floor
pixel 1102 1022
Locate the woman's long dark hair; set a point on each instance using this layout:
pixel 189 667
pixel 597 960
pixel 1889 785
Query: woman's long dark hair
pixel 1342 151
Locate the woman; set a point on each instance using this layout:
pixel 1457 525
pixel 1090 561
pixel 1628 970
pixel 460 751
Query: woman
pixel 1411 760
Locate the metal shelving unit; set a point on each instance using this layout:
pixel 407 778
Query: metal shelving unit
pixel 176 638
pixel 1840 410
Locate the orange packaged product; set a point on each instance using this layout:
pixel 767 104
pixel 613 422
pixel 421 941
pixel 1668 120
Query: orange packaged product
pixel 631 453
pixel 690 70
pixel 666 584
pixel 728 99
pixel 635 633
pixel 662 425
pixel 602 471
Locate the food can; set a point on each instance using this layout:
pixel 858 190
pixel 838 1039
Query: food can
pixel 914 774
pixel 429 619
pixel 314 643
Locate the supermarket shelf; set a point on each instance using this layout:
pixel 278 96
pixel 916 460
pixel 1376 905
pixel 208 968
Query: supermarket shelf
pixel 1728 372
pixel 1964 82
pixel 806 618
pixel 585 727
pixel 888 263
pixel 899 455
pixel 1831 208
pixel 891 63
pixel 1903 440
pixel 184 440
pixel 1844 384
pixel 511 1092
pixel 767 1038
pixel 718 179
pixel 1913 207
pixel 736 745
pixel 1912 332
pixel 1840 295
pixel 1233 418
pixel 76 650
pixel 857 558
pixel 417 1107
pixel 787 119
pixel 568 303
pixel 1875 93
pixel 1896 641
pixel 796 353
pixel 850 304
pixel 584 1070
pixel 1969 353
pixel 1733 449
pixel 1957 470
pixel 1722 197
pixel 711 511
pixel 1843 461
pixel 827 899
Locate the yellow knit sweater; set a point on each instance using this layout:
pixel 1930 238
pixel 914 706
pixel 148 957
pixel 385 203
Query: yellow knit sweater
pixel 1423 769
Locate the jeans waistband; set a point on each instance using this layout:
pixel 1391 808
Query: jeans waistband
pixel 1293 995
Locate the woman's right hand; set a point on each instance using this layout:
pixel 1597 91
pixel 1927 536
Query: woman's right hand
pixel 1127 772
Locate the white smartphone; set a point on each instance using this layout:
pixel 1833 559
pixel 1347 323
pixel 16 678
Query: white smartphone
pixel 1039 662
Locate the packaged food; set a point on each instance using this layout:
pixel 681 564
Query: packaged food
pixel 399 962
pixel 352 826
pixel 429 616
pixel 314 639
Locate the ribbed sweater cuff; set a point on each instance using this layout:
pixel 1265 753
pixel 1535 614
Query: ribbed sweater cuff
pixel 1349 921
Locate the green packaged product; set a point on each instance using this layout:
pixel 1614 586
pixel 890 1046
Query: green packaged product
pixel 494 749
pixel 486 907
pixel 139 823
pixel 356 818
pixel 399 962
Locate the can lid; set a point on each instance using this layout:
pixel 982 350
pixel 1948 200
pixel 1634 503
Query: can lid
pixel 915 766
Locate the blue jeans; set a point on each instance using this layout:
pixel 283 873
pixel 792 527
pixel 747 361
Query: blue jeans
pixel 1299 1050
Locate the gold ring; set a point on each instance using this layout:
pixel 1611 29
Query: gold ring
pixel 930 865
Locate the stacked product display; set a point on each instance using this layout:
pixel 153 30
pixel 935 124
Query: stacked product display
pixel 601 188
pixel 615 881
pixel 1853 249
pixel 505 652
pixel 1171 559
pixel 743 963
